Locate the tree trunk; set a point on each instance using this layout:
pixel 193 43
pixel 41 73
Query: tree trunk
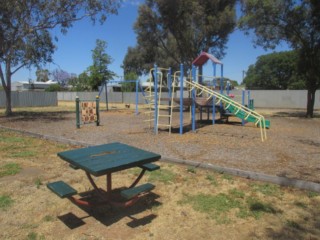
pixel 310 102
pixel 7 88
pixel 8 111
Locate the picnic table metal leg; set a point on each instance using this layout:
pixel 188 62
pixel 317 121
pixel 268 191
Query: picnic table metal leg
pixel 109 183
pixel 96 187
pixel 109 197
pixel 138 178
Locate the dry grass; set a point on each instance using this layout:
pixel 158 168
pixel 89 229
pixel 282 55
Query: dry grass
pixel 188 203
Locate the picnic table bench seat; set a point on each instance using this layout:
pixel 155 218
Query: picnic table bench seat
pixel 135 191
pixel 62 189
pixel 150 167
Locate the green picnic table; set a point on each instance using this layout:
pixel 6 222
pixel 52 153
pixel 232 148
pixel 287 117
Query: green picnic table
pixel 104 160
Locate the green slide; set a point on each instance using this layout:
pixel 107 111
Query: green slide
pixel 242 115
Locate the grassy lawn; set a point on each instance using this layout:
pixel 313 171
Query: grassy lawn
pixel 187 203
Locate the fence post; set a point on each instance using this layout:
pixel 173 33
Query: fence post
pixel 97 110
pixel 77 112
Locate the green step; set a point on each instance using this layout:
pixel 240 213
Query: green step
pixel 62 189
pixel 135 191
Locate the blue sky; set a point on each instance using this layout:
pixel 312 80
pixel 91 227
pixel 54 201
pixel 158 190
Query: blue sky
pixel 73 52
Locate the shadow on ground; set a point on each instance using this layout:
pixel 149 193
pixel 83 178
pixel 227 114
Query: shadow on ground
pixel 297 228
pixel 108 215
pixel 297 114
pixel 31 116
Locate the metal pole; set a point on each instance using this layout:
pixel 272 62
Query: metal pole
pixel 221 80
pixel 106 86
pixel 214 98
pixel 193 94
pixel 137 96
pixel 181 98
pixel 213 110
pixel 155 99
pixel 77 112
pixel 243 103
pixel 214 75
pixel 169 83
pixel 97 111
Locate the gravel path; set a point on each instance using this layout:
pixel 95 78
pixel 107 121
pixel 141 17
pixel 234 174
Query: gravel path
pixel 291 150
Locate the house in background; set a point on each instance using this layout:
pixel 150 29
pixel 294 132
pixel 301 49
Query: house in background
pixel 31 86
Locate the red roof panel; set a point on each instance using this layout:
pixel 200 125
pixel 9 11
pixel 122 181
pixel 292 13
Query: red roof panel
pixel 203 58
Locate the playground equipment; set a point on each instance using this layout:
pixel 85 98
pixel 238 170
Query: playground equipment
pixel 201 95
pixel 105 86
pixel 87 111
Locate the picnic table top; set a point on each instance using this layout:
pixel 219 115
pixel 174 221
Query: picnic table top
pixel 107 158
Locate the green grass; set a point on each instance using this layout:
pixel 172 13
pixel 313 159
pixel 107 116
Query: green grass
pixel 313 194
pixel 23 154
pixel 257 207
pixel 227 177
pixel 9 169
pixel 300 205
pixel 5 202
pixel 191 170
pixel 162 175
pixel 48 218
pixel 12 139
pixel 214 205
pixel 294 225
pixel 218 206
pixel 237 193
pixel 212 180
pixel 35 236
pixel 38 182
pixel 267 189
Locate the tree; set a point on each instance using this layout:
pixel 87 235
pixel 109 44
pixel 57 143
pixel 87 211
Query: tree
pixel 80 83
pixel 275 71
pixel 42 75
pixel 53 88
pixel 61 77
pixel 294 22
pixel 25 39
pixel 99 71
pixel 129 86
pixel 174 32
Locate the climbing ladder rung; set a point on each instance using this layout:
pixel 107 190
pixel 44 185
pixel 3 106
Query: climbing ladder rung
pixel 164 125
pixel 149 120
pixel 163 107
